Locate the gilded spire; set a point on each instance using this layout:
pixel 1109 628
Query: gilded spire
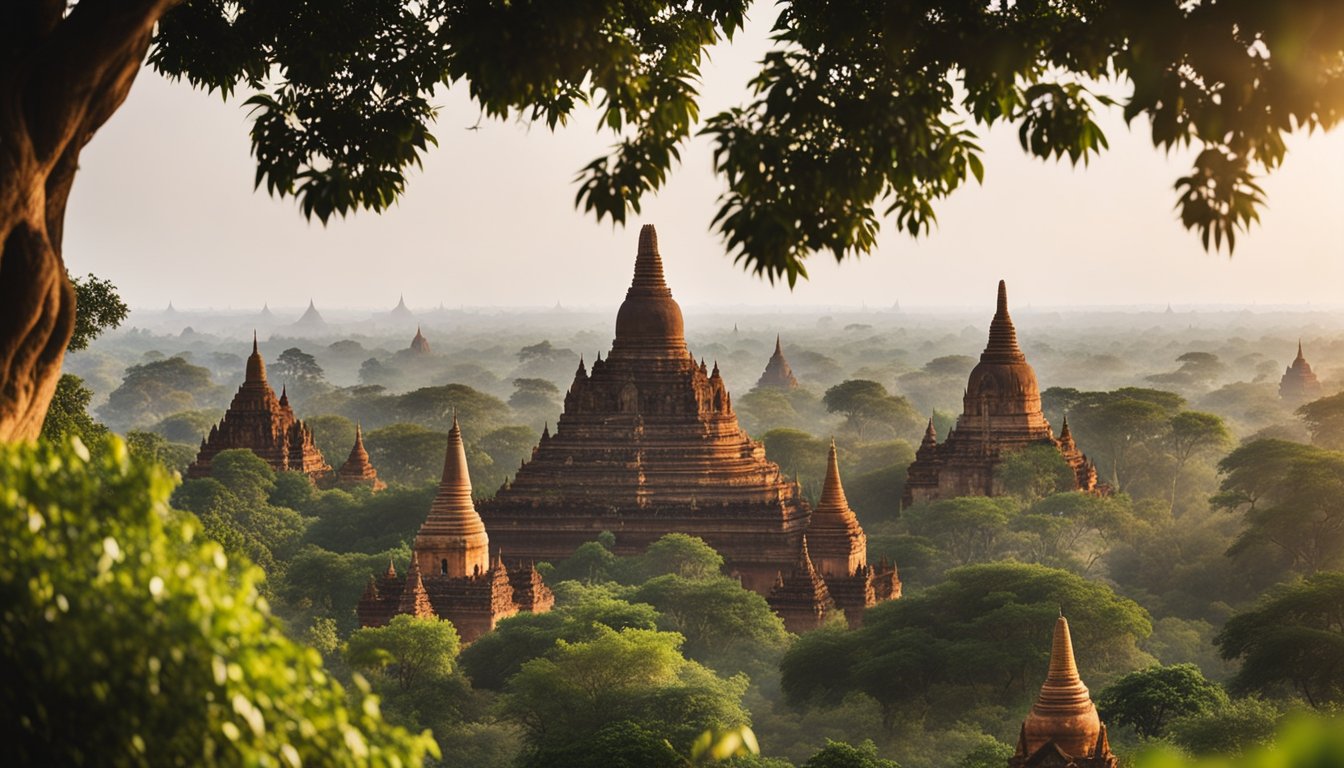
pixel 832 492
pixel 1002 345
pixel 453 537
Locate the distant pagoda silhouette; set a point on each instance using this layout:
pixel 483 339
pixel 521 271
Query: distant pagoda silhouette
pixel 1299 384
pixel 1001 414
pixel 778 374
pixel 648 444
pixel 266 425
pixel 419 344
pixel 1063 729
pixel 451 574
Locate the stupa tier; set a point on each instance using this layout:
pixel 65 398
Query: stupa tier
pixel 1001 414
pixel 266 425
pixel 648 444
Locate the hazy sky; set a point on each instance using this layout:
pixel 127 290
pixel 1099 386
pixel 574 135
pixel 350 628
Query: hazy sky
pixel 164 207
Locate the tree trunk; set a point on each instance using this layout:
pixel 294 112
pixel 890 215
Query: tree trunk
pixel 65 76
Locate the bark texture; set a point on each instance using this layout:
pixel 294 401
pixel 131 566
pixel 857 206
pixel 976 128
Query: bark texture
pixel 62 76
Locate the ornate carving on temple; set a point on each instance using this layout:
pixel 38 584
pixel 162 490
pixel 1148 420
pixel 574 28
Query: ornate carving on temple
pixel 778 374
pixel 357 470
pixel 1299 384
pixel 419 344
pixel 649 444
pixel 266 425
pixel 451 567
pixel 1063 728
pixel 1001 414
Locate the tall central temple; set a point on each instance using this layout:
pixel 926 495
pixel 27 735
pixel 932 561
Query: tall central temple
pixel 1001 413
pixel 648 444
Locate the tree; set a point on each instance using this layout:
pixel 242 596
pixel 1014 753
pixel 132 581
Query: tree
pixel 727 627
pixel 862 113
pixel 69 413
pixel 970 529
pixel 409 651
pixel 534 395
pixel 153 447
pixel 798 453
pixel 189 427
pixel 1033 473
pixel 1120 421
pixel 407 453
pixel 1291 497
pixel 434 407
pixel 98 307
pixel 676 554
pixel 1150 699
pixel 129 638
pixel 638 675
pixel 1293 639
pixel 980 636
pixel 298 366
pixel 157 389
pixel 837 754
pixel 1192 433
pixel 1325 421
pixel 868 403
pixel 1300 740
pixel 1230 729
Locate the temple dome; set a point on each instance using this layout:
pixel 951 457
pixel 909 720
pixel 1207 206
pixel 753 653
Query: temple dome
pixel 1003 382
pixel 1064 712
pixel 649 318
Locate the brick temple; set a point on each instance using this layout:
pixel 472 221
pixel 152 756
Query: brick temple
pixel 357 469
pixel 649 444
pixel 1299 383
pixel 1001 414
pixel 1063 729
pixel 451 574
pixel 264 424
pixel 778 374
pixel 831 572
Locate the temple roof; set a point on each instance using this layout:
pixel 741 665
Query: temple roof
pixel 1063 712
pixel 777 373
pixel 419 343
pixel 833 501
pixel 649 320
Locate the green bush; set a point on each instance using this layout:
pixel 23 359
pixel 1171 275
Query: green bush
pixel 128 639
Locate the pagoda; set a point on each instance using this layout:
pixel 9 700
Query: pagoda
pixel 801 597
pixel 1001 414
pixel 261 423
pixel 1299 384
pixel 778 374
pixel 649 444
pixel 311 319
pixel 419 344
pixel 1063 729
pixel 357 469
pixel 451 574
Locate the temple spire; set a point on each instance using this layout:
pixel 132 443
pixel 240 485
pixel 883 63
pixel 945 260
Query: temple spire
pixel 1063 713
pixel 649 322
pixel 1002 345
pixel 832 491
pixel 649 263
pixel 256 367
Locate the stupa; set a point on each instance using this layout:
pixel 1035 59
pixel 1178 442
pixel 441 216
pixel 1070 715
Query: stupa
pixel 648 444
pixel 401 313
pixel 451 574
pixel 778 374
pixel 419 344
pixel 1063 729
pixel 311 319
pixel 1001 414
pixel 258 421
pixel 1299 384
pixel 357 469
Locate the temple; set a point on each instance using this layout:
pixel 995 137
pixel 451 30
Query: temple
pixel 451 574
pixel 778 374
pixel 311 318
pixel 1299 384
pixel 261 423
pixel 649 444
pixel 357 469
pixel 1063 729
pixel 419 344
pixel 832 570
pixel 1001 414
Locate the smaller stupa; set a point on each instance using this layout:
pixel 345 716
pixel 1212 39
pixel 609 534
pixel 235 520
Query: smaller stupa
pixel 778 374
pixel 1063 729
pixel 800 597
pixel 311 318
pixel 1299 384
pixel 419 344
pixel 357 470
pixel 402 313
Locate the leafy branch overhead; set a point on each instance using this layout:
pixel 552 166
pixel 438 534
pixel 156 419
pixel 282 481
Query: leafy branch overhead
pixel 861 112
